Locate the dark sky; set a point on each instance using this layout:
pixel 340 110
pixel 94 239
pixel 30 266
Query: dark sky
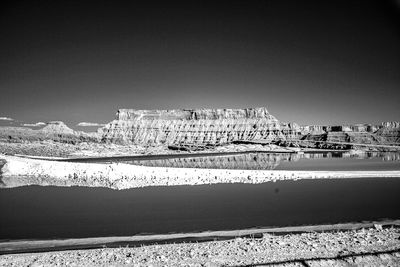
pixel 312 62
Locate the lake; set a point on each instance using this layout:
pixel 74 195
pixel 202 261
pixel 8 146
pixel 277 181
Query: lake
pixel 36 212
pixel 328 161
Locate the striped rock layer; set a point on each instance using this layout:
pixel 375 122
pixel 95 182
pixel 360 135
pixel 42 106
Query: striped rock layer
pixel 196 126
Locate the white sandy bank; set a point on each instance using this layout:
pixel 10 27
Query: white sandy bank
pixel 22 171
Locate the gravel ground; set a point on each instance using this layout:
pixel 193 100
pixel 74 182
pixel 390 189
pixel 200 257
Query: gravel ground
pixel 366 247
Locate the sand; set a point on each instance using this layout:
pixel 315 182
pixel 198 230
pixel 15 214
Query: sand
pixel 374 246
pixel 19 171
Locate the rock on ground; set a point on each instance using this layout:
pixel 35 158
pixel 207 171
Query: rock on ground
pixel 362 247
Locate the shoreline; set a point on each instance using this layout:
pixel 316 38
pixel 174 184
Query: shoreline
pixel 150 156
pixel 371 242
pixel 19 171
pixel 53 149
pixel 37 246
pixel 180 155
pixel 370 246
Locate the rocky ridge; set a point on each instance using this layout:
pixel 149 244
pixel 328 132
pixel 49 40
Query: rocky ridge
pixel 203 127
pixel 199 129
pixel 54 130
pixel 388 133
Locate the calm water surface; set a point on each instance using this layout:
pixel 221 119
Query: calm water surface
pixel 36 212
pixel 334 161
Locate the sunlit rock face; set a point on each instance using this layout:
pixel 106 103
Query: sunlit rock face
pixel 384 134
pixel 194 114
pixel 292 131
pixel 390 131
pixel 196 126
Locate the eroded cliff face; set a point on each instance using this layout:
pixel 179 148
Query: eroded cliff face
pixel 390 131
pixel 220 126
pixel 196 126
pixel 387 133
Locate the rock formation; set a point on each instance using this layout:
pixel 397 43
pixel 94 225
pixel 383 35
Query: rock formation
pixel 54 130
pixel 57 127
pixel 198 126
pixel 387 133
pixel 390 131
pixel 205 128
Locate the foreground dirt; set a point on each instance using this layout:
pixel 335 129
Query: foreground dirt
pixel 365 247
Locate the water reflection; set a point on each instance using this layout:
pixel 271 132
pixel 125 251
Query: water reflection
pixel 270 161
pixel 74 212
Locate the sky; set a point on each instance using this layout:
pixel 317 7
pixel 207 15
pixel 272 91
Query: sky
pixel 310 62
